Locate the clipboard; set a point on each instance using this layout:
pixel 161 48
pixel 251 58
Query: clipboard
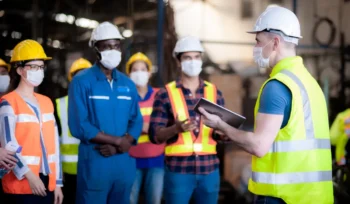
pixel 230 117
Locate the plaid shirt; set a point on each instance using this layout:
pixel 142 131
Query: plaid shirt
pixel 162 116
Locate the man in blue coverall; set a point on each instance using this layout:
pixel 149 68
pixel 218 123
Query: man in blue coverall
pixel 104 114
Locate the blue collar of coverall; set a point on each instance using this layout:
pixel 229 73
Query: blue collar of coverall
pixel 101 76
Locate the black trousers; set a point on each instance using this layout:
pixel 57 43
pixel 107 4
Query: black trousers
pixel 30 198
pixel 69 188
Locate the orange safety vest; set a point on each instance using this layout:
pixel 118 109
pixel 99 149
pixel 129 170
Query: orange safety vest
pixel 144 147
pixel 187 143
pixel 27 133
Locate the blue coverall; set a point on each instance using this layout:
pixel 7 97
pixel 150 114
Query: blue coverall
pixel 98 105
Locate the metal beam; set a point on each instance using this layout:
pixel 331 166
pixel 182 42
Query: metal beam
pixel 160 50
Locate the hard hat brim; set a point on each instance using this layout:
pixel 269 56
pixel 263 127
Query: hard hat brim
pixel 45 59
pixel 255 32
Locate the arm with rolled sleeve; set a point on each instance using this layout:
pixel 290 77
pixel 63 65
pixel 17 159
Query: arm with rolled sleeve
pixel 59 176
pixel 135 118
pixel 78 120
pixel 7 134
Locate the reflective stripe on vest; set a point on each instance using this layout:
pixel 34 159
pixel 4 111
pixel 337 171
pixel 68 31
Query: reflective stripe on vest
pixel 69 144
pixel 187 143
pixel 143 139
pixel 290 178
pixel 310 143
pixel 146 108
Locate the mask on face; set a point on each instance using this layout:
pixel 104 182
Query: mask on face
pixel 259 58
pixel 35 77
pixel 140 78
pixel 4 83
pixel 111 58
pixel 192 68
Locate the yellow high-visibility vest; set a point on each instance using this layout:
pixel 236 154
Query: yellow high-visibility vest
pixel 298 167
pixel 340 133
pixel 187 143
pixel 69 144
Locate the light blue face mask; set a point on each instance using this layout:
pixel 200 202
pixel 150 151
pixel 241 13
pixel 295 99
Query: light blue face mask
pixel 4 83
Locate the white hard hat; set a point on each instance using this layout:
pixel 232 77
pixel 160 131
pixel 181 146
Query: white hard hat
pixel 188 44
pixel 105 31
pixel 277 18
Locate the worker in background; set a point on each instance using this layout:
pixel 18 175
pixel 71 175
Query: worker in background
pixel 149 157
pixel 190 152
pixel 7 159
pixel 290 144
pixel 103 113
pixel 4 77
pixel 69 144
pixel 27 119
pixel 340 133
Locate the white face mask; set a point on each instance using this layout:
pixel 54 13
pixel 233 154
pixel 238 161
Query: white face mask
pixel 4 83
pixel 111 58
pixel 259 58
pixel 192 68
pixel 140 78
pixel 35 77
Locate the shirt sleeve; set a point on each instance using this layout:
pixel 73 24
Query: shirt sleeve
pixel 160 114
pixel 59 181
pixel 275 98
pixel 78 120
pixel 135 118
pixel 7 134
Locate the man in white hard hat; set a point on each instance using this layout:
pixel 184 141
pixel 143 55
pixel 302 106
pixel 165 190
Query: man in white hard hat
pixel 290 144
pixel 103 113
pixel 191 160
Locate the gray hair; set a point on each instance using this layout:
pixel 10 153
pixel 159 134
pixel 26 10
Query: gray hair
pixel 285 37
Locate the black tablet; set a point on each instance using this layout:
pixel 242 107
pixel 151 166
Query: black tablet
pixel 226 115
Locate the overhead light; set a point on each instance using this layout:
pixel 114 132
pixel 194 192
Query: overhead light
pixel 56 44
pixel 86 23
pixel 8 53
pixel 4 34
pixel 81 22
pixel 61 17
pixel 16 35
pixel 91 1
pixel 127 33
pixel 2 13
pixel 40 40
pixel 70 19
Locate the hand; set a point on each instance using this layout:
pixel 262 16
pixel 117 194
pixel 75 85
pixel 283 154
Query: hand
pixel 222 136
pixel 58 195
pixel 125 144
pixel 106 150
pixel 7 159
pixel 36 184
pixel 145 127
pixel 185 125
pixel 210 120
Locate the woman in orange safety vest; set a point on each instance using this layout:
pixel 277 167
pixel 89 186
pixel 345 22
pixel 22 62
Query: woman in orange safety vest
pixel 27 121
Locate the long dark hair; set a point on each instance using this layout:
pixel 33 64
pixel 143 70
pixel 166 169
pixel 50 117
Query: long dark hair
pixel 15 78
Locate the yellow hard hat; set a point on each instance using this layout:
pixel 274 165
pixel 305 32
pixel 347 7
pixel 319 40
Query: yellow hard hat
pixel 138 57
pixel 28 50
pixel 78 65
pixel 4 64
